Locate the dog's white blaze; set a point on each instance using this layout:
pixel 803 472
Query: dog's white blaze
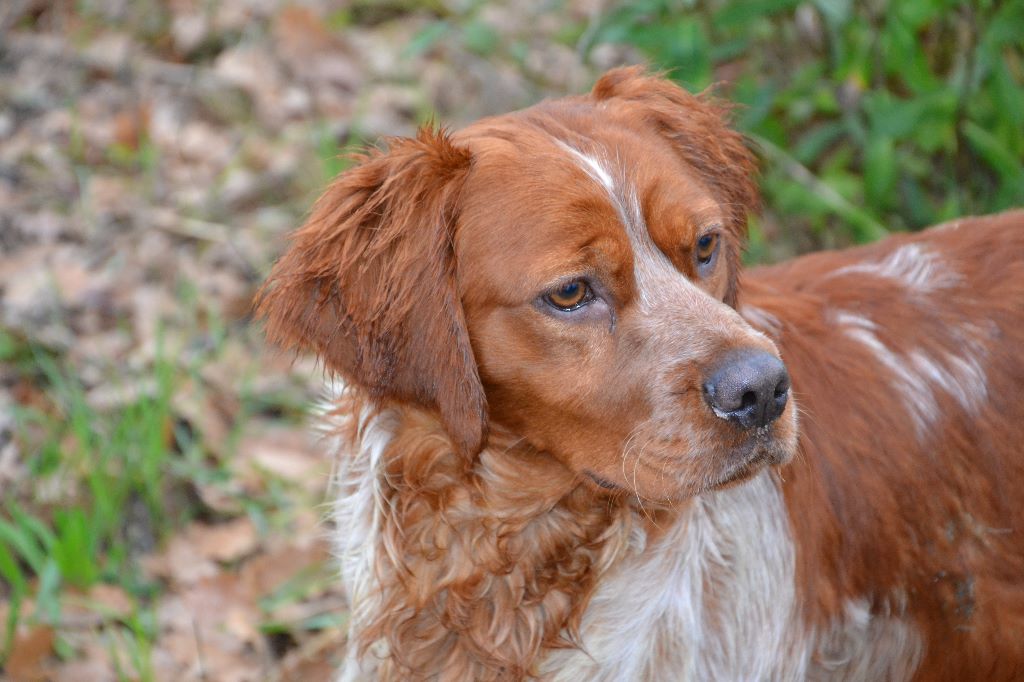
pixel 596 171
pixel 666 296
pixel 682 322
pixel 911 265
pixel 656 276
pixel 916 375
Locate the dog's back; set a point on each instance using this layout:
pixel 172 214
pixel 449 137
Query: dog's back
pixel 905 496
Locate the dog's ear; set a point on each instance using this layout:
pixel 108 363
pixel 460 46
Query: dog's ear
pixel 368 284
pixel 698 128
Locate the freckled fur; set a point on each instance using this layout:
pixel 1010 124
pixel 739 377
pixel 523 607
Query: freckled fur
pixel 912 266
pixel 911 419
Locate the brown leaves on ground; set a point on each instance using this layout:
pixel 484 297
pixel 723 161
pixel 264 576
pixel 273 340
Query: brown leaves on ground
pixel 237 606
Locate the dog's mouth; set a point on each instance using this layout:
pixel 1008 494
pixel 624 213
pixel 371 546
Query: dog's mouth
pixel 733 465
pixel 743 471
pixel 750 457
pixel 602 483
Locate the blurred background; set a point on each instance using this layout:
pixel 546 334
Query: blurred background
pixel 162 504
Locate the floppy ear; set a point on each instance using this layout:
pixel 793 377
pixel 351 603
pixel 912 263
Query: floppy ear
pixel 368 284
pixel 698 128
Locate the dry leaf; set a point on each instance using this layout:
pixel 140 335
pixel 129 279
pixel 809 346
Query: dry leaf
pixel 131 126
pixel 224 542
pixel 29 653
pixel 180 563
pixel 267 572
pixel 285 453
pixel 102 603
pixel 210 628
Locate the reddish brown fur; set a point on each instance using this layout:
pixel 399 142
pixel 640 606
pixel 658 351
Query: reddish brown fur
pixel 941 519
pixel 417 279
pixel 497 559
pixel 372 271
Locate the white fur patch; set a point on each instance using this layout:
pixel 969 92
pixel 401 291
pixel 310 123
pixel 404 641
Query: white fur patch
pixel 656 276
pixel 603 176
pixel 712 599
pixel 861 647
pixel 911 265
pixel 595 170
pixel 916 376
pixel 358 520
pixel 761 319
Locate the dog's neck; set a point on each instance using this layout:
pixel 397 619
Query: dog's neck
pixel 710 597
pixel 508 566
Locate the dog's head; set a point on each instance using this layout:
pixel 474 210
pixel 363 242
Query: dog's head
pixel 567 273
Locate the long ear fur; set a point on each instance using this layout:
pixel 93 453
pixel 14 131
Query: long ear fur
pixel 698 128
pixel 368 284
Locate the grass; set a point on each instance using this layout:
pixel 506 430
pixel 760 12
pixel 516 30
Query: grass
pixel 117 464
pixel 124 482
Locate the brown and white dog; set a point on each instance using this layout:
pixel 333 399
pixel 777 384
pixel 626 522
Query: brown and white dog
pixel 568 442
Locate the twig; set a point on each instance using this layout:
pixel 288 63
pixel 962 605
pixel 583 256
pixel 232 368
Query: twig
pixel 199 649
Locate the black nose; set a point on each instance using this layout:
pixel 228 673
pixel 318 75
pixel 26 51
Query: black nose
pixel 750 388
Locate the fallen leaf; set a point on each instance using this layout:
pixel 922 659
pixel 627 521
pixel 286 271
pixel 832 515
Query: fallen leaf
pixel 131 126
pixel 208 631
pixel 102 603
pixel 179 562
pixel 224 542
pixel 285 453
pixel 28 654
pixel 267 572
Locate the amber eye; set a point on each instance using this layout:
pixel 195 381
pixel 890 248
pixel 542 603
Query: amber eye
pixel 570 296
pixel 706 247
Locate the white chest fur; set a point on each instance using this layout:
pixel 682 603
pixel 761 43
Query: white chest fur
pixel 712 599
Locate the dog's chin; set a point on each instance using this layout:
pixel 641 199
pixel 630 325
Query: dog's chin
pixel 742 472
pixel 672 477
pixel 733 466
pixel 747 460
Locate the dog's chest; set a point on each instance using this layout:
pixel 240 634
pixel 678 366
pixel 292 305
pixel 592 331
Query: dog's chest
pixel 715 598
pixel 712 598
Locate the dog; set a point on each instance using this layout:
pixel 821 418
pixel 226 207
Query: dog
pixel 576 442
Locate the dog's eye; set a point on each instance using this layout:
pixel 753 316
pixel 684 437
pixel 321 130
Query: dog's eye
pixel 706 247
pixel 570 296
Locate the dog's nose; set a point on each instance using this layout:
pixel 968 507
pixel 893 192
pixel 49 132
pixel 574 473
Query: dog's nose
pixel 750 388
